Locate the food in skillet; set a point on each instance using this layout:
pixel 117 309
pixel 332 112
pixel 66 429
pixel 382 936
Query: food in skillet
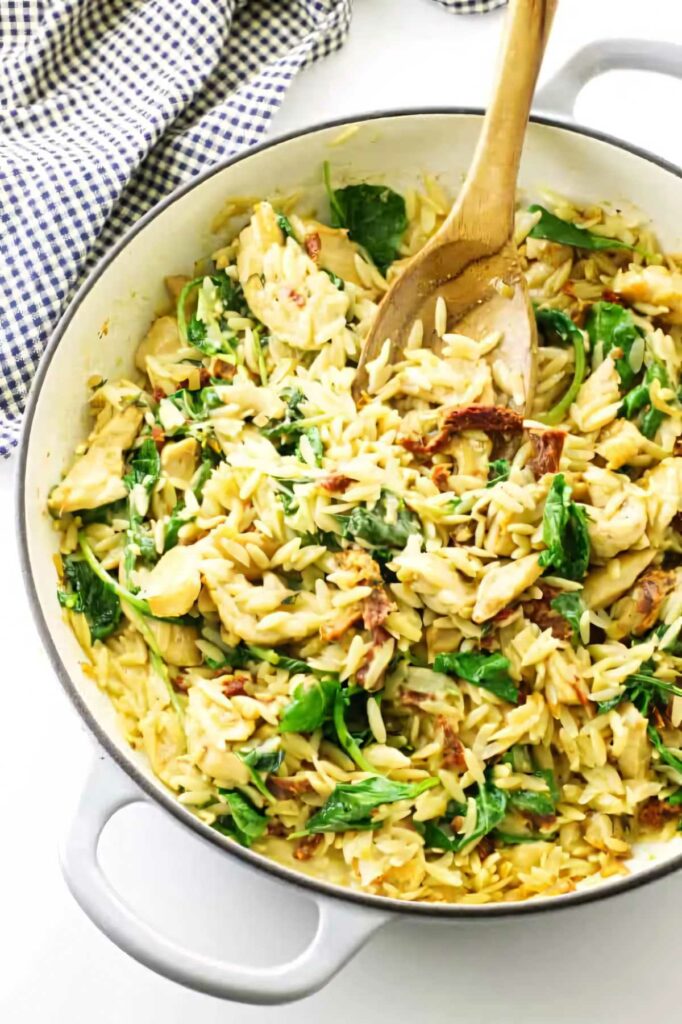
pixel 418 645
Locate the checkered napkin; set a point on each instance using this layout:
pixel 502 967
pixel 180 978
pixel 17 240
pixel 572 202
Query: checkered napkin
pixel 106 106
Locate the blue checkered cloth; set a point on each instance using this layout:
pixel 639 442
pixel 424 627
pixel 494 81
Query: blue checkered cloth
pixel 106 106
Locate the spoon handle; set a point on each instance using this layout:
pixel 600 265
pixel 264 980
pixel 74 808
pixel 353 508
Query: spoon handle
pixel 484 208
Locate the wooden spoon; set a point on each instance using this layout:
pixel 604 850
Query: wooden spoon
pixel 472 260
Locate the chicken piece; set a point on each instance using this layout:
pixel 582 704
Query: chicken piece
pixel 303 316
pixel 634 760
pixel 663 486
pixel 358 568
pixel 638 611
pixel 502 583
pixel 97 477
pixel 603 586
pixel 332 250
pixel 656 286
pixel 179 461
pixel 159 356
pixel 609 536
pixel 176 642
pixel 174 583
pixel 162 340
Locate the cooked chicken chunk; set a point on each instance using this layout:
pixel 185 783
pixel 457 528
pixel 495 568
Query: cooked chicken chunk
pixel 97 477
pixel 304 315
pixel 174 583
pixel 177 643
pixel 161 340
pixel 621 530
pixel 656 286
pixel 663 486
pixel 332 250
pixel 603 586
pixel 179 461
pixel 638 611
pixel 502 583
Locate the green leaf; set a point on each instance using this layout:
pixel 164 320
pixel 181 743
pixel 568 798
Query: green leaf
pixel 196 332
pixel 537 804
pixel 349 744
pixel 92 597
pixel 570 605
pixel 143 474
pixel 236 657
pixel 375 216
pixel 666 755
pixel 498 471
pixel 145 466
pixel 639 398
pixel 388 524
pixel 641 688
pixel 265 761
pixel 614 327
pixel 564 532
pixel 489 671
pixel 491 807
pixel 243 823
pixel 517 838
pixel 315 440
pixel 176 520
pixel 104 513
pixel 311 706
pixel 197 405
pixel 279 660
pixel 554 229
pixel 337 281
pixel 350 806
pixel 284 224
pixel 557 328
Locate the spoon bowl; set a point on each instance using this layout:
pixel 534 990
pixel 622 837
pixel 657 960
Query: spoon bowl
pixel 471 263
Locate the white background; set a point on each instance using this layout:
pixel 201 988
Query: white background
pixel 617 960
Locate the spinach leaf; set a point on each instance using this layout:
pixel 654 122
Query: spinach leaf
pixel 176 520
pixel 209 460
pixel 375 216
pixel 535 803
pixel 243 823
pixel 377 527
pixel 349 743
pixel 564 532
pixel 489 671
pixel 517 838
pixel 641 689
pixel 558 329
pixel 284 224
pixel 640 397
pixel 257 761
pixel 350 806
pixel 289 431
pixel 323 538
pixel 570 605
pixel 614 327
pixel 491 807
pixel 310 707
pixel 554 229
pixel 279 660
pixel 196 405
pixel 144 472
pixel 90 596
pixel 196 332
pixel 337 281
pixel 236 657
pixel 267 761
pixel 498 471
pixel 666 755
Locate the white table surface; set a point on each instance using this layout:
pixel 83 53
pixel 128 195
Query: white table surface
pixel 617 961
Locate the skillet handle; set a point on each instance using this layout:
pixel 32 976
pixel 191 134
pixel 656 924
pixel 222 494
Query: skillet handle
pixel 342 928
pixel 559 94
